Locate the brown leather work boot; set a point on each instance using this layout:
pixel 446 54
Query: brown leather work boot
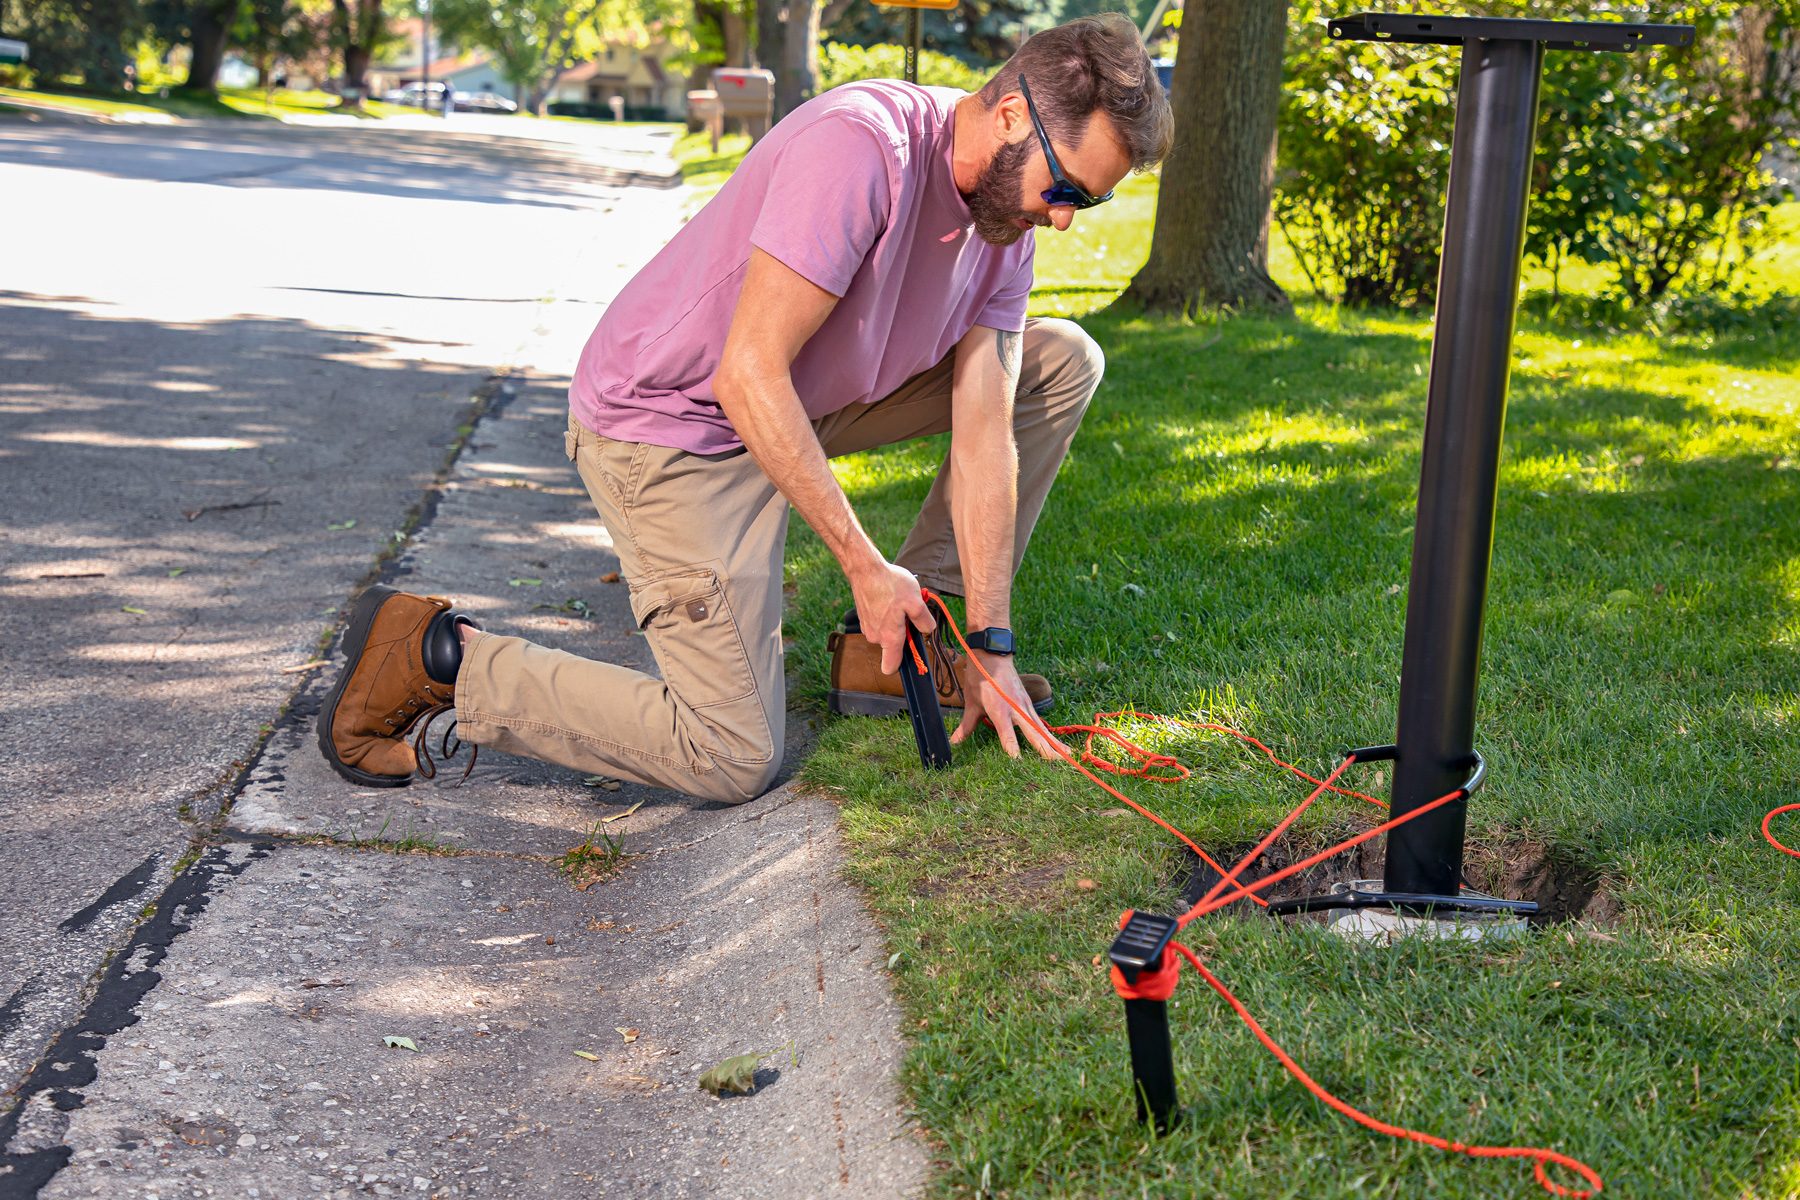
pixel 859 689
pixel 402 653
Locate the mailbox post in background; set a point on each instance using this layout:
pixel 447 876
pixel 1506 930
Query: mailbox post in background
pixel 705 112
pixel 915 28
pixel 747 94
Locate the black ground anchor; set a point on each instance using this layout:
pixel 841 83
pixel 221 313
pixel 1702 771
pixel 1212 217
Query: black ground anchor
pixel 1139 954
pixel 922 702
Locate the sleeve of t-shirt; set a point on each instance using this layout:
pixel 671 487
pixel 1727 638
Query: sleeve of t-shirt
pixel 829 195
pixel 1006 310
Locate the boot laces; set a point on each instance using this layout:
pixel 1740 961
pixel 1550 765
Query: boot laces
pixel 449 745
pixel 943 663
pixel 419 717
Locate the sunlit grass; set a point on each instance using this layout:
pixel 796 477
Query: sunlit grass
pixel 702 170
pixel 229 102
pixel 78 103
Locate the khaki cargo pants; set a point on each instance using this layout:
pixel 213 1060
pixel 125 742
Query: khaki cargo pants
pixel 700 538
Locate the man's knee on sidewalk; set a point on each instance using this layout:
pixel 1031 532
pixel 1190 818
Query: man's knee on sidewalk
pixel 737 783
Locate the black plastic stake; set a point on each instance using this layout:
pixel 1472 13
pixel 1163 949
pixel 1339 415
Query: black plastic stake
pixel 1138 951
pixel 922 702
pixel 1471 357
pixel 1152 1063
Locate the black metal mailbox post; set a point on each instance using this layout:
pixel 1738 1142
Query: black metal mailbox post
pixel 1471 357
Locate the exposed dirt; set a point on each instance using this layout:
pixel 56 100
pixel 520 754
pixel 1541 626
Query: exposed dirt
pixel 1563 887
pixel 1030 884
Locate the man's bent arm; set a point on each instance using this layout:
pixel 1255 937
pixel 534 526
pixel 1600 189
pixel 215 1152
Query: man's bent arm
pixel 777 311
pixel 984 470
pixel 984 509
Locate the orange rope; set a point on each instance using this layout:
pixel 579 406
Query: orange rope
pixel 1032 719
pixel 1773 841
pixel 1213 901
pixel 1537 1155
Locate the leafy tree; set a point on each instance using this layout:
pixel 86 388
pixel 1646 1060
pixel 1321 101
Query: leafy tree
pixel 1658 163
pixel 983 33
pixel 1138 10
pixel 1365 154
pixel 840 64
pixel 204 26
pixel 1210 246
pixel 1655 164
pixel 535 41
pixel 271 30
pixel 358 31
pixel 86 38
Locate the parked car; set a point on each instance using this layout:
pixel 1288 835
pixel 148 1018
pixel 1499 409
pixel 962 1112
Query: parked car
pixel 485 102
pixel 431 96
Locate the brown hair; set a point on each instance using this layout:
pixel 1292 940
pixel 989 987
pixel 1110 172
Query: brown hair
pixel 1092 64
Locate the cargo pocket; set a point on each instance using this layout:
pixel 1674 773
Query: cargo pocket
pixel 695 638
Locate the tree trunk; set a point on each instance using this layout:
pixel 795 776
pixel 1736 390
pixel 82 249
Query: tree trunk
pixel 737 38
pixel 798 77
pixel 1211 243
pixel 770 14
pixel 211 24
pixel 358 24
pixel 105 59
pixel 356 71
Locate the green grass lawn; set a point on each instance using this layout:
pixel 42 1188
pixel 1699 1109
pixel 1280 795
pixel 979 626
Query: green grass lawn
pixel 703 171
pixel 230 102
pixel 1230 538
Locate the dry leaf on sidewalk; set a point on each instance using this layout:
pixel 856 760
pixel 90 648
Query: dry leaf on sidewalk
pixel 622 815
pixel 735 1075
pixel 400 1043
pixel 630 1035
pixel 587 1054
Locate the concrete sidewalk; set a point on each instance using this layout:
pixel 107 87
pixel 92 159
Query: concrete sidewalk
pixel 258 1068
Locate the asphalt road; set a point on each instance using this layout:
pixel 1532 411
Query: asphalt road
pixel 216 344
pixel 244 369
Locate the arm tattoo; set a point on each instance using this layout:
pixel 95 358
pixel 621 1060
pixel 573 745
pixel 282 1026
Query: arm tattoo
pixel 1009 344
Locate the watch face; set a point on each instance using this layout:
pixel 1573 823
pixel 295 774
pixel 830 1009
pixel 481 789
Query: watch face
pixel 994 641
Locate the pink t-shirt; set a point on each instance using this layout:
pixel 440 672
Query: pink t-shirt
pixel 854 191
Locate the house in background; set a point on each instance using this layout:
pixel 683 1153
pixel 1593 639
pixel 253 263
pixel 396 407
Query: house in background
pixel 650 91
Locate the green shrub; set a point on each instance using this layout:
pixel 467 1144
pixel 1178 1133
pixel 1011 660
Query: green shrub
pixel 1652 164
pixel 840 64
pixel 1365 159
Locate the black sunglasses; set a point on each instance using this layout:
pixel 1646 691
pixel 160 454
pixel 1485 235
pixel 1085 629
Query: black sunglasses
pixel 1063 192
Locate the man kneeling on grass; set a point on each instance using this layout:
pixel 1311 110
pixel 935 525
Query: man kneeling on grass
pixel 860 280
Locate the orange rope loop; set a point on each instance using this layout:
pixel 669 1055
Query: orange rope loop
pixel 1773 840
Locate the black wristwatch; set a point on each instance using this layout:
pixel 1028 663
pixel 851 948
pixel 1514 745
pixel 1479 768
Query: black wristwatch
pixel 997 640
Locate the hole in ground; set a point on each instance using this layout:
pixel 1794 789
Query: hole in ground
pixel 1563 887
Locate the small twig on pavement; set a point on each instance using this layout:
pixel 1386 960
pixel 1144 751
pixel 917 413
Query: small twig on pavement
pixel 194 514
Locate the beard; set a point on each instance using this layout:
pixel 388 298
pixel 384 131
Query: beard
pixel 994 202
